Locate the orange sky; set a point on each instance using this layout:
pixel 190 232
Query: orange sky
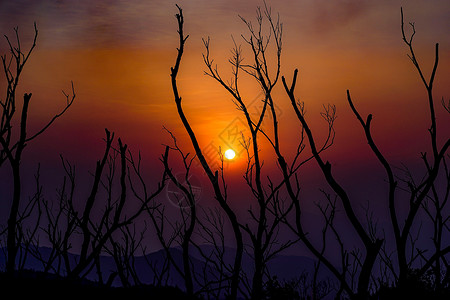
pixel 118 54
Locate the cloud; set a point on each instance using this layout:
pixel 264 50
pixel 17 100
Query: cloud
pixel 151 23
pixel 330 15
pixel 103 23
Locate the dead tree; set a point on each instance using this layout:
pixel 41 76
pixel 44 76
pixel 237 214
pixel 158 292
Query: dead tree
pixel 291 184
pixel 264 237
pixel 436 208
pixel 123 249
pixel 212 175
pixel 12 148
pixel 418 192
pixel 188 213
pixel 355 278
pixel 66 223
pixel 61 223
pixel 371 245
pixel 28 236
pixel 214 276
pixel 181 230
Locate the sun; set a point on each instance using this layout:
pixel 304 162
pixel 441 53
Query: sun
pixel 230 154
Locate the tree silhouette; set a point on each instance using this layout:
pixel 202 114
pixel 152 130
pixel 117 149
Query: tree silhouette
pixel 213 177
pixel 181 231
pixel 103 222
pixel 66 223
pixel 264 237
pixel 11 149
pixel 418 192
pixel 356 273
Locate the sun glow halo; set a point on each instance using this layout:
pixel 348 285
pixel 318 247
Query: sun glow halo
pixel 230 154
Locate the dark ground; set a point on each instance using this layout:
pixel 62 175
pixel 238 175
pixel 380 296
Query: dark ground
pixel 35 285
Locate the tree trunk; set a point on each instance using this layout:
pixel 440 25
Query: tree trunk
pixel 12 220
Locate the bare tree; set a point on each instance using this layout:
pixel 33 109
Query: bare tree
pixel 212 175
pixel 188 212
pixel 66 223
pixel 123 248
pixel 264 237
pixel 27 236
pixel 418 192
pixel 214 277
pixel 61 223
pixel 182 229
pixel 279 204
pixel 371 246
pixel 436 207
pixel 356 272
pixel 12 148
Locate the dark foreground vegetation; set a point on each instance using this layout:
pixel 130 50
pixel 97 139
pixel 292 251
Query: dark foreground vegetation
pixel 395 262
pixel 29 284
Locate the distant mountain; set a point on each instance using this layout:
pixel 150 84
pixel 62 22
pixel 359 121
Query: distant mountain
pixel 150 267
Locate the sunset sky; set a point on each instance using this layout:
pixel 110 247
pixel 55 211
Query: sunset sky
pixel 119 53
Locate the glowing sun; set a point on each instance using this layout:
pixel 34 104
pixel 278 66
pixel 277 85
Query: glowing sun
pixel 230 154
